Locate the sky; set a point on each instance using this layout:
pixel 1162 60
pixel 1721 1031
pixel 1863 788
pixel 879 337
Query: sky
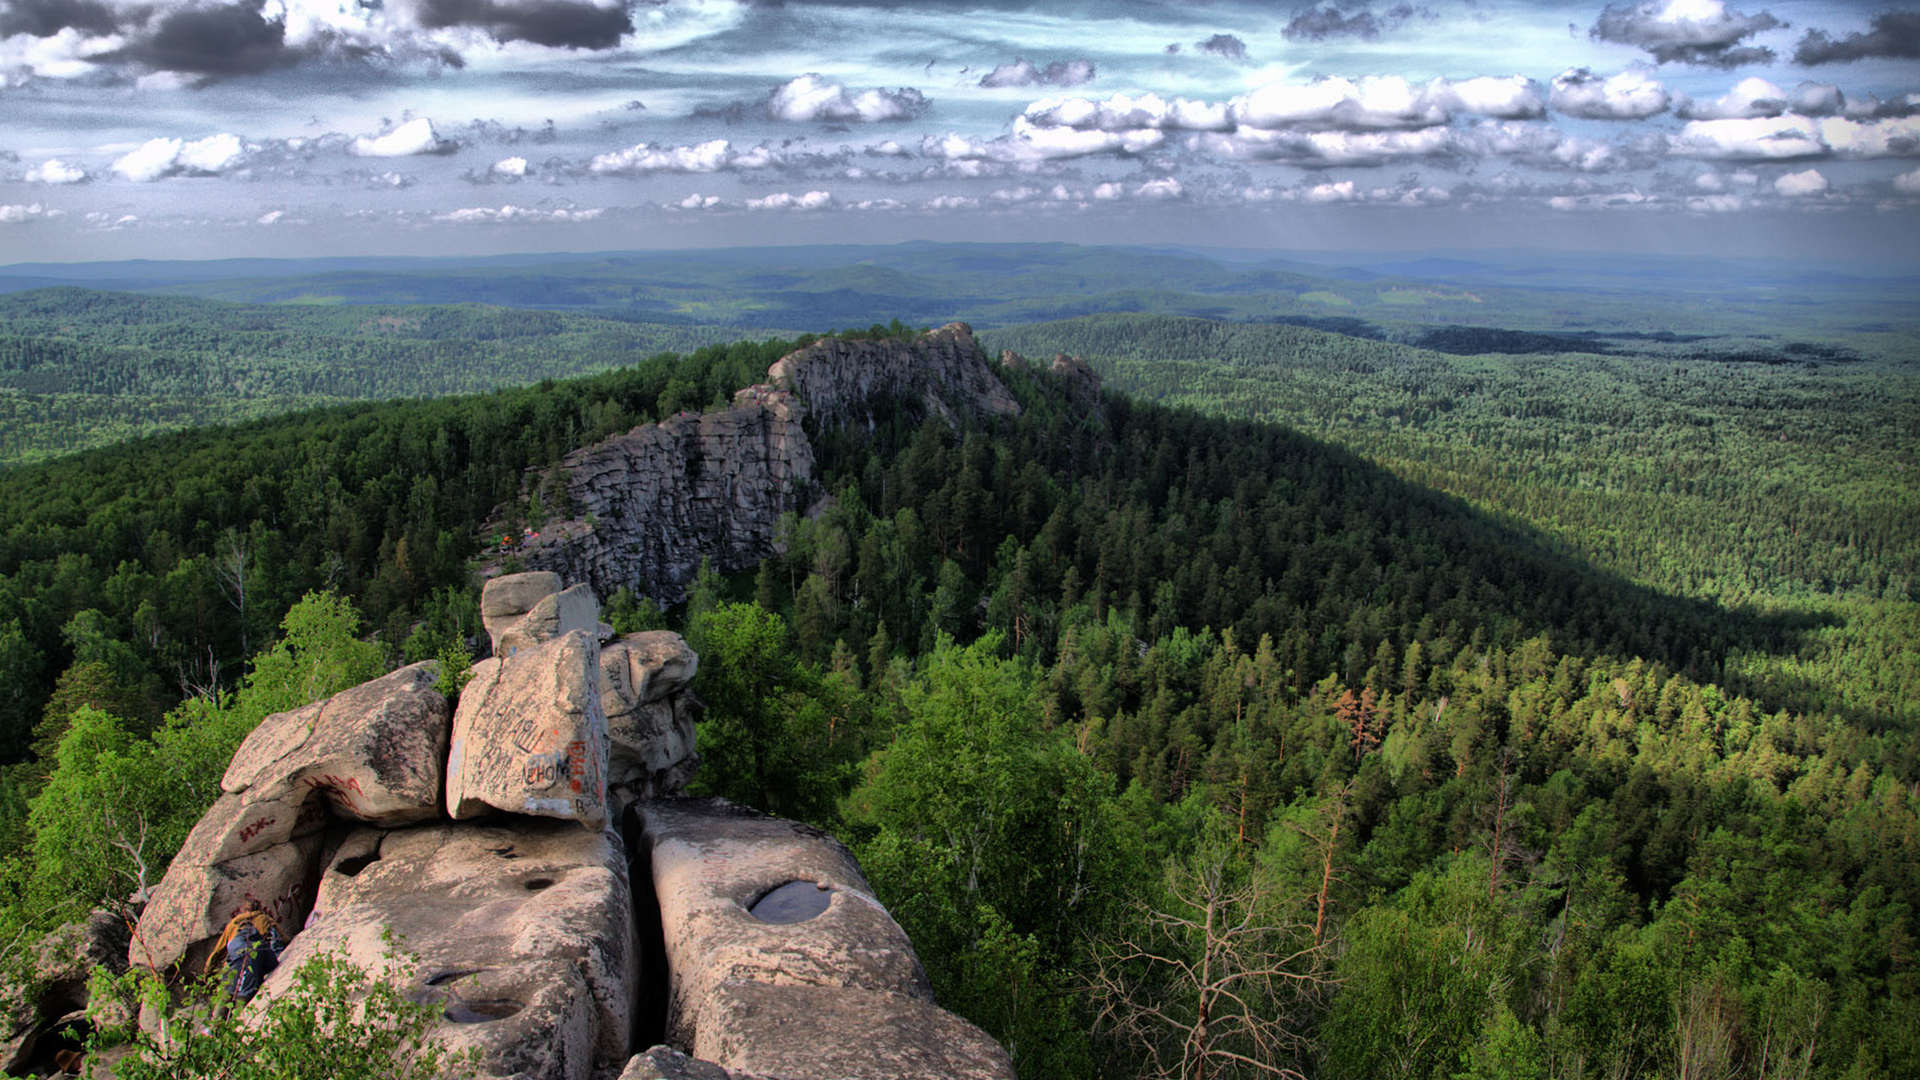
pixel 212 128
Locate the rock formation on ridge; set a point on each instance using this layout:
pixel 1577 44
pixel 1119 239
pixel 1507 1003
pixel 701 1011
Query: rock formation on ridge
pixel 529 913
pixel 650 504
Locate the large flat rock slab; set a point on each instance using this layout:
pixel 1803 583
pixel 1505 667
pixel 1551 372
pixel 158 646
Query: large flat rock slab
pixel 529 736
pixel 524 935
pixel 837 1033
pixel 712 861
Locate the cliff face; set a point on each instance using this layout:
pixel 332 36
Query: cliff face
pixel 652 502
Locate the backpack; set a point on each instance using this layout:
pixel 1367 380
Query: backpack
pixel 250 958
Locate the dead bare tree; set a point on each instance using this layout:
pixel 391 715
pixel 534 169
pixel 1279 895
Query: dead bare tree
pixel 1214 982
pixel 233 565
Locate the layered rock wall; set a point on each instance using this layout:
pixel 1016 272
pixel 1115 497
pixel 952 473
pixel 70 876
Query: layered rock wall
pixel 650 504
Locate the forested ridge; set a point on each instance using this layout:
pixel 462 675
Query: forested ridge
pixel 1090 688
pixel 82 368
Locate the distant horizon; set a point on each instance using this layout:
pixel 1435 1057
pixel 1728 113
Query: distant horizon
pixel 1884 264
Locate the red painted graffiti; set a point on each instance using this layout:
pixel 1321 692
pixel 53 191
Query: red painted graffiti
pixel 576 763
pixel 254 828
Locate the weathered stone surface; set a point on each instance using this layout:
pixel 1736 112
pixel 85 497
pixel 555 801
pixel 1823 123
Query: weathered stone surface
pixel 943 372
pixel 656 500
pixel 194 902
pixel 666 1063
pixel 835 1033
pixel 650 723
pixel 711 861
pixel 504 599
pixel 529 735
pixel 374 753
pixel 554 616
pixel 57 985
pixel 524 935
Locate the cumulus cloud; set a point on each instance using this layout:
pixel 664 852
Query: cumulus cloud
pixel 514 167
pixel 1800 185
pixel 1025 73
pixel 1323 149
pixel 1031 144
pixel 1123 112
pixel 563 24
pixel 157 159
pixel 1781 138
pixel 812 98
pixel 22 213
pixel 55 171
pixel 1907 183
pixel 712 156
pixel 1788 138
pixel 1817 99
pixel 1750 98
pixel 1512 98
pixel 1223 45
pixel 486 215
pixel 786 200
pixel 1630 95
pixel 416 136
pixel 1687 31
pixel 1383 102
pixel 1893 35
pixel 1321 23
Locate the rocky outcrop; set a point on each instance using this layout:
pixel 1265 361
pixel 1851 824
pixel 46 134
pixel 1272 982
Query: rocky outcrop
pixel 373 754
pixel 653 502
pixel 941 373
pixel 649 505
pixel 782 961
pixel 486 847
pixel 33 1015
pixel 529 736
pixel 523 934
pixel 643 679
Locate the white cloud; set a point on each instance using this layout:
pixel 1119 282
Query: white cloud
pixel 710 156
pixel 1762 139
pixel 783 200
pixel 1124 113
pixel 1599 200
pixel 810 98
pixel 513 166
pixel 55 171
pixel 485 215
pixel 1716 204
pixel 270 217
pixel 21 213
pixel 416 136
pixel 952 202
pixel 1164 188
pixel 1630 95
pixel 1750 98
pixel 1907 183
pixel 1687 31
pixel 159 158
pixel 1800 185
pixel 1375 102
pixel 1329 193
pixel 697 201
pixel 1512 98
pixel 1818 99
pixel 1314 149
pixel 1896 138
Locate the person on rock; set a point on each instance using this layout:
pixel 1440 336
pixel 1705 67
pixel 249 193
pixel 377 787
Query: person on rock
pixel 250 947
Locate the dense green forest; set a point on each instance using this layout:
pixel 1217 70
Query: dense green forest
pixel 1181 743
pixel 82 368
